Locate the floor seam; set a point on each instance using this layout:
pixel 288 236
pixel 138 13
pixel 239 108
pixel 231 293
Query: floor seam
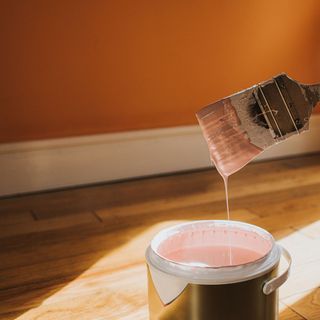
pixel 33 214
pixel 97 216
pixel 296 312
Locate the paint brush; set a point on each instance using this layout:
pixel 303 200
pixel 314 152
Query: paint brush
pixel 239 127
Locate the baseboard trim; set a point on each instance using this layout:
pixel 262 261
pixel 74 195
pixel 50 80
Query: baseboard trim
pixel 58 163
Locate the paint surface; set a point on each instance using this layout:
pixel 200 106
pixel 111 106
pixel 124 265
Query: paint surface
pixel 213 256
pixel 209 244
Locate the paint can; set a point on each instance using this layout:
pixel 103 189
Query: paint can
pixel 191 275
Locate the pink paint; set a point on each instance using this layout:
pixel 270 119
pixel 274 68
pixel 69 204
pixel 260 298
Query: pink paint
pixel 208 244
pixel 229 146
pixel 213 256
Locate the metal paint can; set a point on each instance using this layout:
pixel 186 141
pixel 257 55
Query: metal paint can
pixel 201 291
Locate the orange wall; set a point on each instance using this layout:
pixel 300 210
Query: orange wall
pixel 84 67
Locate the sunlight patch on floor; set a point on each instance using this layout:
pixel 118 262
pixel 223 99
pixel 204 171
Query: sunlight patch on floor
pixel 116 283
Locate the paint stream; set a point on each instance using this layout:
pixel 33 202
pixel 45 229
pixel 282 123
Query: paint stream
pixel 225 178
pixel 225 182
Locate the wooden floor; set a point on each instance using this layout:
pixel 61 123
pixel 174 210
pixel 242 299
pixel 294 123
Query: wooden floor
pixel 79 254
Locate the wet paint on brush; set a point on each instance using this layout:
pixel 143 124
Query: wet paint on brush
pixel 240 127
pixel 229 146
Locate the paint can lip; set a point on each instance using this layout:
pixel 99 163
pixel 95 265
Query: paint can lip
pixel 212 225
pixel 209 274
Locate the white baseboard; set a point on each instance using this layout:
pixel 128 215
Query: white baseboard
pixel 50 164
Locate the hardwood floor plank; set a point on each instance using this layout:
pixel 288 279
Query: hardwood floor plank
pixel 9 218
pixel 287 314
pixel 306 304
pixel 45 225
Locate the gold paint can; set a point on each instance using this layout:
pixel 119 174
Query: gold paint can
pixel 191 274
